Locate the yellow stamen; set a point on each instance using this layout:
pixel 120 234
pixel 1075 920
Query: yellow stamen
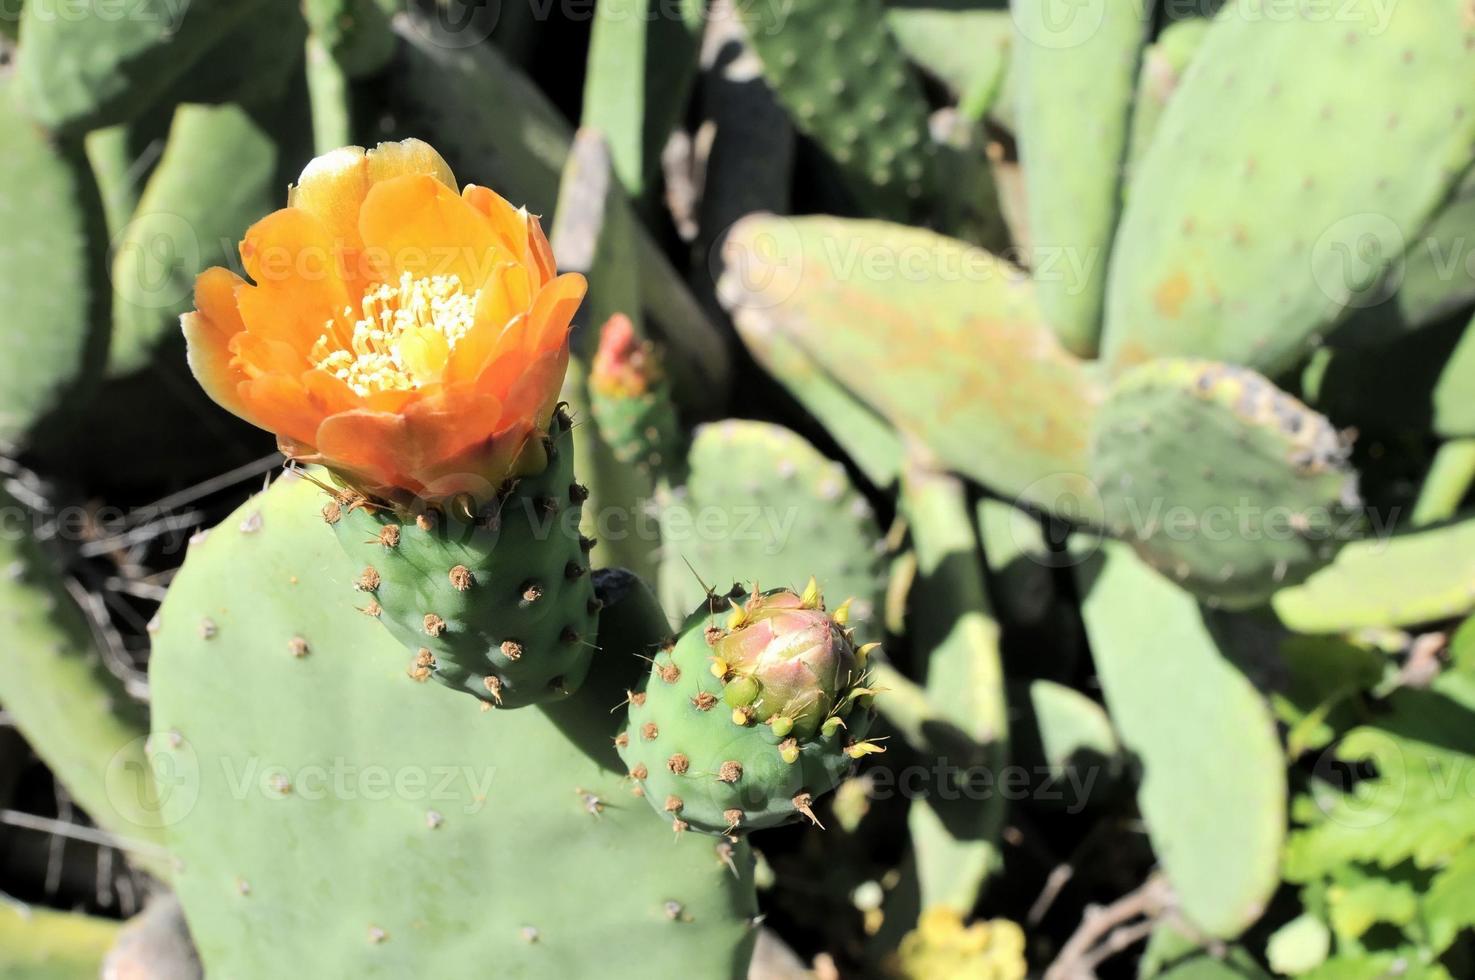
pixel 401 336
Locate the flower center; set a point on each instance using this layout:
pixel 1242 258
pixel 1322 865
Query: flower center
pixel 400 337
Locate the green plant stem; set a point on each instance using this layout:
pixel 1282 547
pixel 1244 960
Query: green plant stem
pixel 1448 482
pixel 327 89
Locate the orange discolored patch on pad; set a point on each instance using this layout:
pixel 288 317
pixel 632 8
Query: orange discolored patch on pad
pixel 1171 294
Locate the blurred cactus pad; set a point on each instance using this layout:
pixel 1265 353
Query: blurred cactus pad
pixel 755 489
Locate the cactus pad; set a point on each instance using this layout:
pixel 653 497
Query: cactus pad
pixel 81 72
pixel 384 828
pixel 1424 575
pixel 1177 701
pixel 761 502
pixel 500 604
pixel 217 174
pixel 944 341
pixel 1248 250
pixel 1075 104
pixel 44 284
pixel 846 84
pixel 1220 480
pixel 755 711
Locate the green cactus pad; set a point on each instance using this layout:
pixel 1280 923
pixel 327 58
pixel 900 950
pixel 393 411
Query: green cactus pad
pixel 1421 576
pixel 42 944
pixel 1435 279
pixel 954 631
pixel 57 689
pixel 218 174
pixel 966 46
pixel 642 61
pixel 700 766
pixel 1454 392
pixel 1075 106
pixel 1248 250
pixel 45 286
pixel 1163 65
pixel 1220 480
pixel 847 85
pixel 944 341
pixel 1214 783
pixel 501 606
pixel 384 828
pixel 762 503
pixel 77 73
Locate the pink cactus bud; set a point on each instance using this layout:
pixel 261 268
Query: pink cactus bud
pixel 802 661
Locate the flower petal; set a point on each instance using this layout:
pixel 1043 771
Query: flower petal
pixel 207 336
pixel 282 404
pixel 553 311
pixel 541 251
pixel 416 224
pixel 333 186
pixel 509 223
pixel 501 307
pixel 424 449
pixel 291 258
pixel 535 392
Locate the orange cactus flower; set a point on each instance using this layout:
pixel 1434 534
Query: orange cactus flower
pixel 409 337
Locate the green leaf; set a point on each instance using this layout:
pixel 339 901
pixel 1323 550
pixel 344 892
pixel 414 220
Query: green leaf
pixel 1419 806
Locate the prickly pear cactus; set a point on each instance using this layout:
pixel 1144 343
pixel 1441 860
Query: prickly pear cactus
pixel 1177 699
pixel 1075 107
pixel 631 399
pixel 755 711
pixel 760 502
pixel 944 341
pixel 498 603
pixel 45 283
pixel 426 838
pixel 217 175
pixel 80 72
pixel 847 85
pixel 1420 575
pixel 1220 480
pixel 1249 250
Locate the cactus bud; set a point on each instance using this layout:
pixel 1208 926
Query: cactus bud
pixel 792 660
